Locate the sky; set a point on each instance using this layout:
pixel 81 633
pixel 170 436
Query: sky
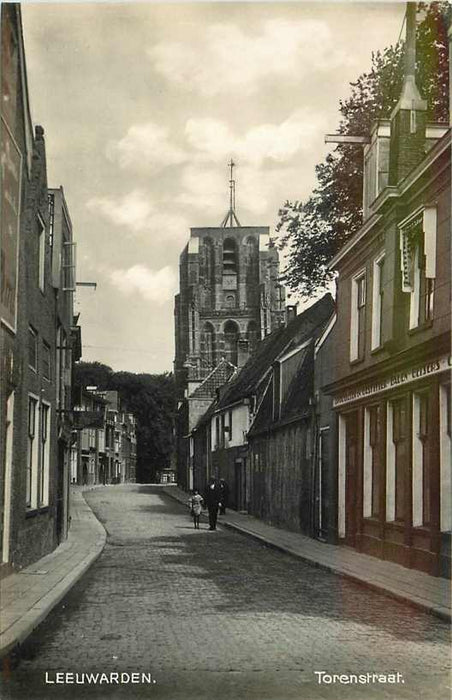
pixel 143 105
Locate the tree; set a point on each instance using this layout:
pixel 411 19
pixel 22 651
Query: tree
pixel 151 398
pixel 315 230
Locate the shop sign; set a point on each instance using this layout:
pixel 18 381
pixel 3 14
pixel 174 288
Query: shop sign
pixel 395 380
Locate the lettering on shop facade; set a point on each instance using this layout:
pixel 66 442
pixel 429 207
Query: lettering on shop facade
pixel 395 380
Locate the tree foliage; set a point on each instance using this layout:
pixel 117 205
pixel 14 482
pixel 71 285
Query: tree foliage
pixel 150 397
pixel 316 229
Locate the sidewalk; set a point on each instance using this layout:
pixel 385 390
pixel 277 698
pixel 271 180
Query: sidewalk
pixel 28 596
pixel 430 593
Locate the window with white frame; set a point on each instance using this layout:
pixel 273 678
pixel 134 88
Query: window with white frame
pixel 418 263
pixel 420 468
pixel 32 453
pixel 358 316
pixel 44 457
pixel 377 301
pixel 46 361
pixel 32 348
pixel 41 253
pixel 446 457
pixel 69 266
pixel 372 461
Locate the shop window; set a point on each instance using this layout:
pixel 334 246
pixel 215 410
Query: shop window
pixel 445 459
pixel 358 317
pixel 377 301
pixel 400 441
pixel 421 466
pixel 372 461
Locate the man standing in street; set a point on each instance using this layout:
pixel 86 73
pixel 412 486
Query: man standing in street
pixel 212 496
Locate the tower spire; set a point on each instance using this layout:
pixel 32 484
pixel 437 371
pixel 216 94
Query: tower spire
pixel 231 219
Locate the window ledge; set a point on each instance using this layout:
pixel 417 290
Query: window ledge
pixel 422 327
pixel 31 512
pixel 378 349
pixel 356 362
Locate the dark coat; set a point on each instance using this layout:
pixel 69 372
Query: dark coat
pixel 212 496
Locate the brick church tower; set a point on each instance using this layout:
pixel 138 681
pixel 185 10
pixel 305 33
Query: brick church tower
pixel 229 296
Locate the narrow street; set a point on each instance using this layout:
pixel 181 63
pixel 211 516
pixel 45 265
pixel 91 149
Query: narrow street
pixel 220 616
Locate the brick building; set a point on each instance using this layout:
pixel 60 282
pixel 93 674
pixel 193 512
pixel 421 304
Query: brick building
pixel 391 382
pixel 34 304
pixel 229 298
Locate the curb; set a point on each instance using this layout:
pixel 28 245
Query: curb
pixel 441 613
pixel 413 602
pixel 40 610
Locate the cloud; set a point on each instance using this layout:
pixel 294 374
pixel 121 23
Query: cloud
pixel 135 211
pixel 157 286
pixel 227 58
pixel 145 147
pixel 215 141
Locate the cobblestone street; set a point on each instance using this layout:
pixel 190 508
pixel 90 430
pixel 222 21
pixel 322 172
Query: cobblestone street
pixel 217 615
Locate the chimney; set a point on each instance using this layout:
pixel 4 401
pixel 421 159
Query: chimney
pixel 408 119
pixel 291 313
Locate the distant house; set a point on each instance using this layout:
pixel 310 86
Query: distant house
pixel 234 437
pixel 105 452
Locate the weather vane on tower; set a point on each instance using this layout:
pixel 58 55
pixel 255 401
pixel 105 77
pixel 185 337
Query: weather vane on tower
pixel 231 217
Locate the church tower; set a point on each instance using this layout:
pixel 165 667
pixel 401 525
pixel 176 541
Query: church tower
pixel 229 296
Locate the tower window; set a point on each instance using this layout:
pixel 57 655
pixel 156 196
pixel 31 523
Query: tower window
pixel 231 337
pixel 229 257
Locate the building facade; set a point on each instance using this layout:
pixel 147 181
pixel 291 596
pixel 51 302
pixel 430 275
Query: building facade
pixel 391 386
pixel 35 422
pixel 106 448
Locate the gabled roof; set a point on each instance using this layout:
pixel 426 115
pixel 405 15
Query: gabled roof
pixel 296 401
pixel 308 324
pixel 218 376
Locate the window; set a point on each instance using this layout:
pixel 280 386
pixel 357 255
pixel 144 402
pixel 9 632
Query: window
pixel 400 441
pixel 32 452
pixel 68 269
pixel 32 348
pixel 208 344
pixel 41 253
pixel 421 470
pixel 51 205
pixel 230 301
pixel 377 301
pixel 358 317
pixel 43 464
pixel 231 337
pixel 418 263
pixel 372 461
pixel 230 425
pixel 46 361
pixel 445 461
